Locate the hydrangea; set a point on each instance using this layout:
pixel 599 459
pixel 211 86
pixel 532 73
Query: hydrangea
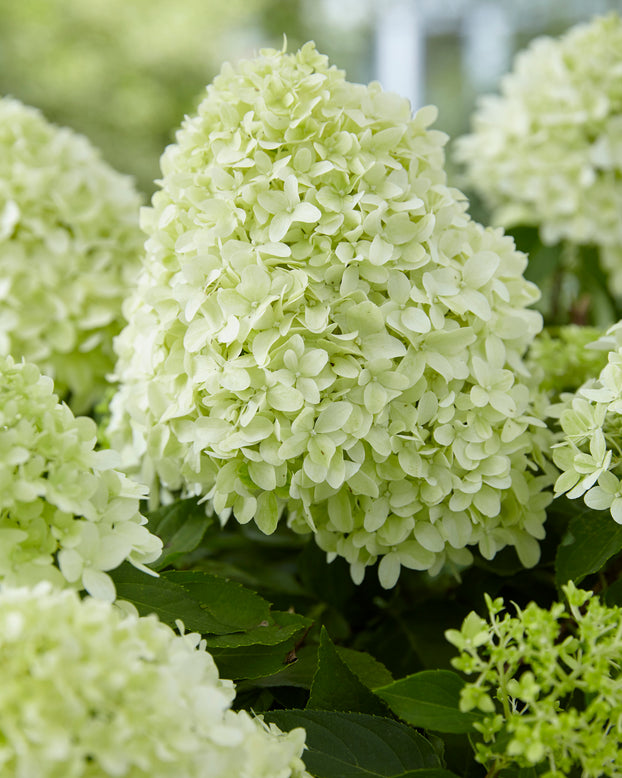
pixel 562 359
pixel 547 151
pixel 549 684
pixel 591 422
pixel 91 692
pixel 69 250
pixel 320 327
pixel 66 515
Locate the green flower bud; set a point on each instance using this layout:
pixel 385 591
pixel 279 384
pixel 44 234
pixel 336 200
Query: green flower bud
pixel 555 675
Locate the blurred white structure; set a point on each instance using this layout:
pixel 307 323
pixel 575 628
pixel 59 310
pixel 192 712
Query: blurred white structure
pixel 487 29
pixel 400 49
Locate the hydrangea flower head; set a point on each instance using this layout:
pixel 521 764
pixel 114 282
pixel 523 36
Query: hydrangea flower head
pixel 320 327
pixel 548 150
pixel 531 673
pixel 60 500
pixel 90 691
pixel 591 420
pixel 69 250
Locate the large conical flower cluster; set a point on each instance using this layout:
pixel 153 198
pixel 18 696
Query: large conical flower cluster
pixel 69 250
pixel 547 151
pixel 90 692
pixel 321 329
pixel 66 515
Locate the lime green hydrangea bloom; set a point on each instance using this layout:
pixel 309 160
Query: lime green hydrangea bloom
pixel 562 360
pixel 591 422
pixel 69 250
pixel 66 515
pixel 90 692
pixel 548 150
pixel 320 327
pixel 549 684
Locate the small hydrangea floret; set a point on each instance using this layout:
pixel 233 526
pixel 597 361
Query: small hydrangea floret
pixel 320 328
pixel 548 685
pixel 547 151
pixel 66 515
pixel 91 691
pixel 69 250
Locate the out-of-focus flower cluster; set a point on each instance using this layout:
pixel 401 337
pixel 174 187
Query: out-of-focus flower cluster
pixel 89 691
pixel 61 502
pixel 591 422
pixel 560 358
pixel 320 326
pixel 548 150
pixel 528 667
pixel 120 72
pixel 70 249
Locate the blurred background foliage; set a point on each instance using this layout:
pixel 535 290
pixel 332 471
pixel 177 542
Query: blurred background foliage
pixel 124 72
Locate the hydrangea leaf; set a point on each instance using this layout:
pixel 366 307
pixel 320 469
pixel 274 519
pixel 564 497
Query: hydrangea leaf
pixel 336 687
pixel 590 541
pixel 181 527
pixel 204 602
pixel 429 699
pixel 279 628
pixel 355 745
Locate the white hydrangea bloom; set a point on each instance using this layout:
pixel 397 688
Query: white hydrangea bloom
pixel 547 151
pixel 90 692
pixel 320 327
pixel 69 250
pixel 591 420
pixel 59 498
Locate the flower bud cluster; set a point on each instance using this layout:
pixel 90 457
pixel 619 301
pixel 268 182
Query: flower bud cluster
pixel 548 684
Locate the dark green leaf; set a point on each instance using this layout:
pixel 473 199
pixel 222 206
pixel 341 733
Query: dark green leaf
pixel 593 537
pixel 429 699
pixel 203 602
pixel 281 627
pixel 234 606
pixel 427 772
pixel 298 674
pixel 181 527
pixel 367 669
pixel 329 583
pixel 252 661
pixel 613 593
pixel 355 745
pixel 336 687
